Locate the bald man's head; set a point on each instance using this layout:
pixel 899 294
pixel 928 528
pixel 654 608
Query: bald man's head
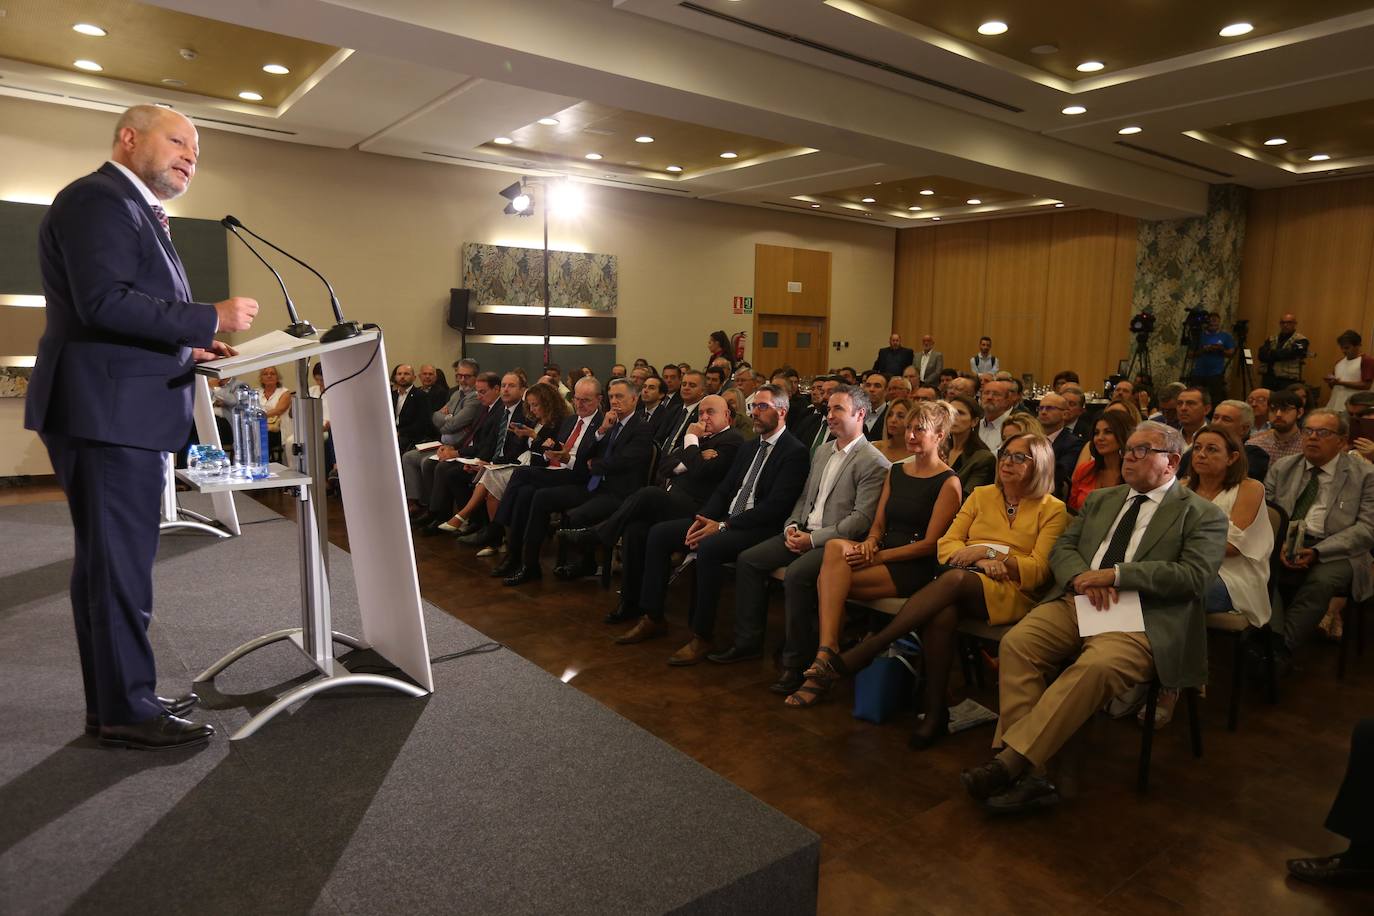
pixel 158 145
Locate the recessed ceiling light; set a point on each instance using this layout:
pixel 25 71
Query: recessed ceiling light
pixel 162 105
pixel 729 155
pixel 815 206
pixel 548 122
pixel 927 192
pixel 1275 141
pixel 992 27
pixel 1059 205
pixel 593 156
pixel 502 141
pixel 171 82
pixel 1073 110
pixel 85 28
pixel 973 201
pixel 644 139
pixel 913 209
pixel 90 65
pixel 935 219
pixel 1090 66
pixel 276 69
pixel 1045 49
pixel 674 168
pixel 876 183
pixel 248 96
pixel 1127 131
pixel 870 200
pixel 1235 29
pixel 1318 157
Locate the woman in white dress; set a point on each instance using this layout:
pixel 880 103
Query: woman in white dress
pixel 1219 472
pixel 276 402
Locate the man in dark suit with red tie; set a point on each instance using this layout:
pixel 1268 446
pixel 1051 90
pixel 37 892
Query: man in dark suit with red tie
pixel 123 335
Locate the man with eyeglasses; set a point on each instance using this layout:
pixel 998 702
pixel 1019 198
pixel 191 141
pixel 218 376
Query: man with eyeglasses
pixel 1283 437
pixel 1330 495
pixel 1053 414
pixel 1150 536
pixel 451 423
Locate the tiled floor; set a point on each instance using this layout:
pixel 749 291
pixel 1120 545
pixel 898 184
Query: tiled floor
pixel 898 833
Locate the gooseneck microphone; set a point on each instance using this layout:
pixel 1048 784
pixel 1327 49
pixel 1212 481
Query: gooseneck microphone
pixel 343 329
pixel 298 327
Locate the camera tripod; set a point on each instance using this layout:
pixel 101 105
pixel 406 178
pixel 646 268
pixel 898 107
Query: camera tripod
pixel 1241 364
pixel 1140 359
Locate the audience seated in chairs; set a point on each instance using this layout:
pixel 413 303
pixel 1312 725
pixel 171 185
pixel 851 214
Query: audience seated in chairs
pixel 875 426
pixel 1000 543
pixel 412 408
pixel 1018 424
pixel 1331 495
pixel 1283 438
pixel 898 387
pixel 621 451
pixel 691 389
pixel 440 496
pixel 276 402
pixel 838 501
pixel 1152 537
pixel 1103 467
pixel 450 426
pixel 683 481
pixel 740 420
pixel 969 456
pixel 749 505
pixel 894 447
pixel 919 499
pixel 1053 414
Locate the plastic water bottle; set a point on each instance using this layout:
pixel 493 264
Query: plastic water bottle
pixel 238 421
pixel 255 429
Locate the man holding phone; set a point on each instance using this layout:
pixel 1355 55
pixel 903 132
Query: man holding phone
pixel 1331 496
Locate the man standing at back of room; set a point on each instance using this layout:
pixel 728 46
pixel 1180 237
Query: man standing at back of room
pixel 111 391
pixel 893 358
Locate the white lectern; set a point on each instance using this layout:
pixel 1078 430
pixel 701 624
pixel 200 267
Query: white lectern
pixel 364 431
pixel 175 516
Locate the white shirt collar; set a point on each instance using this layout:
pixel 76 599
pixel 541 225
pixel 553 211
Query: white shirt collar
pixel 777 434
pixel 1156 495
pixel 148 195
pixel 850 447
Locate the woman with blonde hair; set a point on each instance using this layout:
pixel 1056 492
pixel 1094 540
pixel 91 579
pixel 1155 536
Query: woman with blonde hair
pixel 276 402
pixel 893 446
pixel 998 553
pixel 1016 424
pixel 918 501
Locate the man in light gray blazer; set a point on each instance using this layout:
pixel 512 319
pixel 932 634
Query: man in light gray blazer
pixel 1332 494
pixel 1152 536
pixel 839 500
pixel 451 425
pixel 929 363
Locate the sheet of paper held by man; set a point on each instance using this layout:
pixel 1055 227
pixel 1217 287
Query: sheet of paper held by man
pixel 1125 616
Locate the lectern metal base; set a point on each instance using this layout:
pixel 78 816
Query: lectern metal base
pixel 327 681
pixel 192 521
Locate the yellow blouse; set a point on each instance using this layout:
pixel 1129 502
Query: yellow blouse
pixel 1029 537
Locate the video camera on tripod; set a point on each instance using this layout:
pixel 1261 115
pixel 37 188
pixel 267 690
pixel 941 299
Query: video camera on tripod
pixel 1142 325
pixel 1194 326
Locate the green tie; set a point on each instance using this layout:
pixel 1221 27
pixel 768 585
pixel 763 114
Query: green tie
pixel 1308 496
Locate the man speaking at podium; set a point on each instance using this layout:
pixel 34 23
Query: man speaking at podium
pixel 111 391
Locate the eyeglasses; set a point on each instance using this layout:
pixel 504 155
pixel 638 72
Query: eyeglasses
pixel 1140 452
pixel 1319 433
pixel 1017 458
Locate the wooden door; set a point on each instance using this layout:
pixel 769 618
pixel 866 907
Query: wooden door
pixel 790 340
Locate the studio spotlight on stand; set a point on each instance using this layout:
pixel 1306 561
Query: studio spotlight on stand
pixel 518 202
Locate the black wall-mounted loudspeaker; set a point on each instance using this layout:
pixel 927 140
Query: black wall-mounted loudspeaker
pixel 458 317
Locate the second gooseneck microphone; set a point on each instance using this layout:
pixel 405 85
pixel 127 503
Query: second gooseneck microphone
pixel 298 327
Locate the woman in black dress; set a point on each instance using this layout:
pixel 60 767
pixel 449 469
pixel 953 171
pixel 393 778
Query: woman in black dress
pixel 920 498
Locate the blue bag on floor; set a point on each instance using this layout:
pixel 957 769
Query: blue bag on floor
pixel 887 685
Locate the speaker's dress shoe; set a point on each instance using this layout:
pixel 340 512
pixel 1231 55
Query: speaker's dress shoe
pixel 735 654
pixel 580 537
pixel 693 653
pixel 986 780
pixel 579 570
pixel 646 629
pixel 788 684
pixel 522 575
pixel 177 706
pixel 1330 870
pixel 1029 793
pixel 159 733
pixel 623 613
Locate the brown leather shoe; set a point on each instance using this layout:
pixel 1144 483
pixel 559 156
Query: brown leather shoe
pixel 692 653
pixel 646 629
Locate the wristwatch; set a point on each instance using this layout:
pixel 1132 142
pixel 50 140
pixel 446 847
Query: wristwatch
pixel 991 554
pixel 723 525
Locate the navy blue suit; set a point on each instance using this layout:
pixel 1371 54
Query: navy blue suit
pixel 111 391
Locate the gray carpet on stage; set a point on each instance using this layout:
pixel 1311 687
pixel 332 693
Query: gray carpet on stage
pixel 506 791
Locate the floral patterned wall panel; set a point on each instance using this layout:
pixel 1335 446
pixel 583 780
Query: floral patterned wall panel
pixel 498 275
pixel 1183 263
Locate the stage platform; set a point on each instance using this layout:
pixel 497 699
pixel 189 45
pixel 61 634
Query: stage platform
pixel 506 791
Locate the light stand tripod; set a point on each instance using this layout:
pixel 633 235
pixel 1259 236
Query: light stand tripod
pixel 1140 359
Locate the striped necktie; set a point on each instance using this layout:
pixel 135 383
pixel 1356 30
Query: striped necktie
pixel 161 215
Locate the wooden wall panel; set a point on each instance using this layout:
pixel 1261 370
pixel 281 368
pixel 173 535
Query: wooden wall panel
pixel 1017 286
pixel 772 270
pixel 1310 250
pixel 811 268
pixel 1053 291
pixel 959 290
pixel 775 266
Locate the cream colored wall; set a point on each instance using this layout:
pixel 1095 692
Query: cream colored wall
pixel 389 232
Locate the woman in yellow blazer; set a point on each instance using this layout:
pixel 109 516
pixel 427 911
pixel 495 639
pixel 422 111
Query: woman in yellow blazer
pixel 998 553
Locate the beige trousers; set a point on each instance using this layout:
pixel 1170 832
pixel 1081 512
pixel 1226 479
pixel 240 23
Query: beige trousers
pixel 1036 720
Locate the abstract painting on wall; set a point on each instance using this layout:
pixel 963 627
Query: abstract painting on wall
pixel 498 275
